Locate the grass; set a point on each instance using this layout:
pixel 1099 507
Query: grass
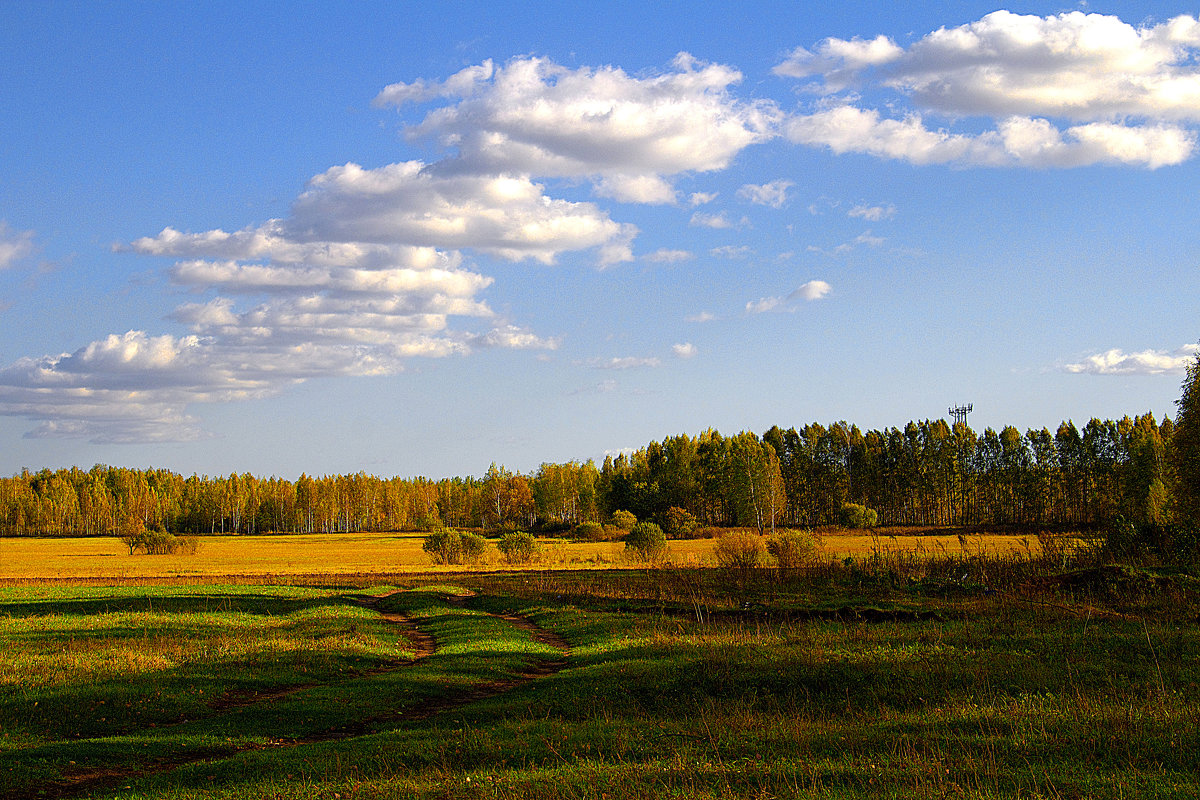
pixel 383 555
pixel 963 678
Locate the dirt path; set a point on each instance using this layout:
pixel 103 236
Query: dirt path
pixel 84 784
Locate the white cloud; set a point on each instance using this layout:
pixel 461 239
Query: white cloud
pixel 703 316
pixel 732 252
pixel 649 189
pixel 865 238
pixel 813 290
pixel 1062 91
pixel 463 83
pixel 355 283
pixel 505 215
pixel 773 194
pixel 808 292
pixel 367 269
pixel 515 338
pixel 839 62
pixel 701 198
pixel 14 245
pixel 684 350
pixel 715 221
pixel 628 134
pixel 764 304
pixel 872 213
pixel 666 256
pixel 626 362
pixel 1147 362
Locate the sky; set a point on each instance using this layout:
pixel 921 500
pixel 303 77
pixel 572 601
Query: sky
pixel 419 238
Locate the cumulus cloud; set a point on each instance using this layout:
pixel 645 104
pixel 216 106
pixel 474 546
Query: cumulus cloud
pixel 367 269
pixel 364 275
pixel 773 194
pixel 1146 362
pixel 505 215
pixel 812 290
pixel 716 221
pixel 14 245
pixel 684 350
pixel 1068 90
pixel 872 213
pixel 701 198
pixel 627 134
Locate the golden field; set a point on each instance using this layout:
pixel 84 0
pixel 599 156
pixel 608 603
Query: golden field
pixel 391 553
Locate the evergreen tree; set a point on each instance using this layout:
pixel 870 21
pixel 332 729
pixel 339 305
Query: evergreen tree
pixel 1186 445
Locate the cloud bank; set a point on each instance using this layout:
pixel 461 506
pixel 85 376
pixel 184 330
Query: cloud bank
pixel 1068 90
pixel 1146 362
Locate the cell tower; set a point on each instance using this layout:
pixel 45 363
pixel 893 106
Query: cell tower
pixel 960 413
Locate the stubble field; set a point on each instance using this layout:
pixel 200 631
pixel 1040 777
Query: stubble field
pixel 391 553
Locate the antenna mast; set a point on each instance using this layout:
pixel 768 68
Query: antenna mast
pixel 960 413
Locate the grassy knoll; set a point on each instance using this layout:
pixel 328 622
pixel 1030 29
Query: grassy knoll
pixel 255 558
pixel 974 679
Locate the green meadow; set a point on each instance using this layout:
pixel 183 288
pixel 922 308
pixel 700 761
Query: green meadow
pixel 978 678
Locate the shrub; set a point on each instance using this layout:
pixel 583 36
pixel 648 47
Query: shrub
pixel 473 547
pixel 444 547
pixel 792 549
pixel 678 523
pixel 158 542
pixel 455 547
pixel 625 520
pixel 647 541
pixel 591 531
pixel 739 550
pixel 518 548
pixel 856 516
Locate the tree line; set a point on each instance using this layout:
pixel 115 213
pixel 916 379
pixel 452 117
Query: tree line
pixel 928 473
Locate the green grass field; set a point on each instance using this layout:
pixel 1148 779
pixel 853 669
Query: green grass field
pixel 673 682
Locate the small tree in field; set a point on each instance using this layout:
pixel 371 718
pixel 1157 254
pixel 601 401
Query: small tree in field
pixel 518 548
pixel 647 541
pixel 131 532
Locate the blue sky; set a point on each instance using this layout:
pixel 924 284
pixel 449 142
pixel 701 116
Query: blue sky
pixel 417 238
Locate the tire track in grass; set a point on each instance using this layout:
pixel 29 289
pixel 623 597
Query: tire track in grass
pixel 84 784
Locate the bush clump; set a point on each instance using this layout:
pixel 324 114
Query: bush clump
pixel 455 547
pixel 678 523
pixel 158 542
pixel 739 550
pixel 647 541
pixel 792 549
pixel 518 548
pixel 589 531
pixel 625 520
pixel 857 516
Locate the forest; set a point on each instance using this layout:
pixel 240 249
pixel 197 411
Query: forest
pixel 928 473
